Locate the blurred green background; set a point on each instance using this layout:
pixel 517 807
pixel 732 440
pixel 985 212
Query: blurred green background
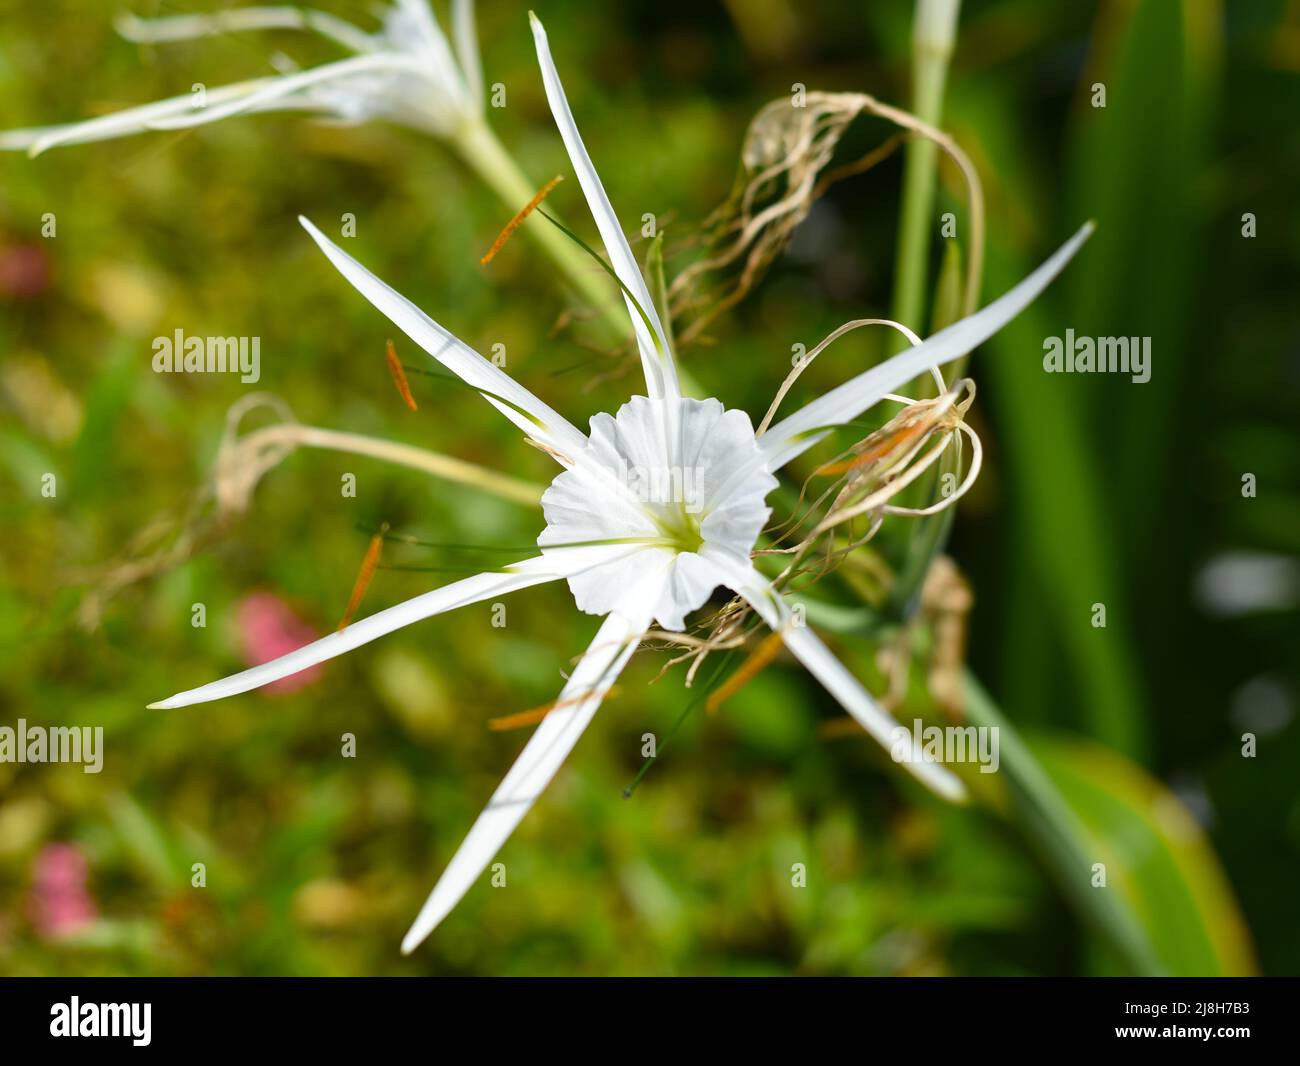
pixel 1095 490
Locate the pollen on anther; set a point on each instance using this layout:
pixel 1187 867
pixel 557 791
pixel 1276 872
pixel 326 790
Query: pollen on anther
pixel 517 221
pixel 367 572
pixel 399 375
pixel 758 661
pixel 520 719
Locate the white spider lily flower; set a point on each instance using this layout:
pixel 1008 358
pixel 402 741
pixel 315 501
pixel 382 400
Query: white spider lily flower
pixel 406 72
pixel 631 557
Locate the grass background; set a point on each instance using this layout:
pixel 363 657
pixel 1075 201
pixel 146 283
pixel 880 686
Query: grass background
pixel 1095 490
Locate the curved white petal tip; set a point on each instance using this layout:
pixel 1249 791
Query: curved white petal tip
pixel 946 784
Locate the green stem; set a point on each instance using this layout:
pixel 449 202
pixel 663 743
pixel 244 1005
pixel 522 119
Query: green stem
pixel 487 157
pixel 933 34
pixel 1060 838
pixel 293 435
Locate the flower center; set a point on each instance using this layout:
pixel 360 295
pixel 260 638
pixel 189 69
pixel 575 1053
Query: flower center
pixel 680 529
pixel 665 490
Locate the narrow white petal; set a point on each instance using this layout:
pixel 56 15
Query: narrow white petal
pixel 416 16
pixel 122 123
pixel 800 431
pixel 278 90
pixel 542 756
pixel 471 65
pixel 458 594
pixel 808 648
pixel 836 679
pixel 656 359
pixel 420 17
pixel 187 27
pixel 522 408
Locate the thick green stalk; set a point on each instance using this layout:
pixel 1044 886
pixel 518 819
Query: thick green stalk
pixel 488 158
pixel 514 489
pixel 1060 839
pixel 933 33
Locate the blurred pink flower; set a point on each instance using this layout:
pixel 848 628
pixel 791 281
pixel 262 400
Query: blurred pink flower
pixel 24 271
pixel 269 628
pixel 59 903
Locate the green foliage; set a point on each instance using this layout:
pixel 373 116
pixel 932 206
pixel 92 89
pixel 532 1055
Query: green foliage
pixel 315 862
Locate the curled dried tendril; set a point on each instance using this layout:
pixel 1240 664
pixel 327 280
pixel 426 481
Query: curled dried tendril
pixel 784 171
pixel 867 476
pixel 243 459
pixel 167 541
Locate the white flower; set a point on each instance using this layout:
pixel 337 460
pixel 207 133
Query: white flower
pixel 405 73
pixel 630 556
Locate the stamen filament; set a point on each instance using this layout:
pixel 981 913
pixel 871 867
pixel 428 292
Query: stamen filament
pixel 367 572
pixel 518 220
pixel 399 376
pixel 519 719
pixel 758 661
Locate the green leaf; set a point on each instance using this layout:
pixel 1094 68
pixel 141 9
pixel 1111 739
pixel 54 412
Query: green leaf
pixel 1157 858
pixel 948 292
pixel 1135 166
pixel 1061 550
pixel 1058 834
